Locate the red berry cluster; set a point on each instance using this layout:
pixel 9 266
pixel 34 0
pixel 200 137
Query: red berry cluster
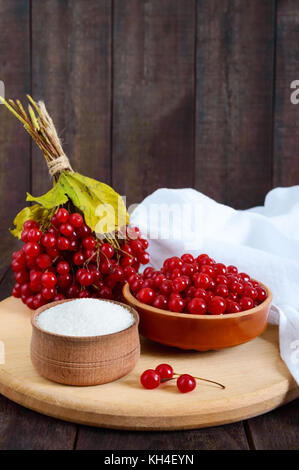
pixel 68 261
pixel 198 286
pixel 151 378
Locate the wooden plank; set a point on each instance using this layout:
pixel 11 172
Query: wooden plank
pixel 286 130
pixel 234 84
pixel 153 101
pixel 229 437
pixel 22 429
pixel 14 143
pixel 278 430
pixel 71 71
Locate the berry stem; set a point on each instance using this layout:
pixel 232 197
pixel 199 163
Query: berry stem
pixel 205 380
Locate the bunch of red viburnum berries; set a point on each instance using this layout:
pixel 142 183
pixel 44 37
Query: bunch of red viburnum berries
pixel 69 261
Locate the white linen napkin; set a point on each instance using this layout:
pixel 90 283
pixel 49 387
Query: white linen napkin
pixel 262 241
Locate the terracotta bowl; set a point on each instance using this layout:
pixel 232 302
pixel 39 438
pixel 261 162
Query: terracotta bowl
pixel 200 332
pixel 84 360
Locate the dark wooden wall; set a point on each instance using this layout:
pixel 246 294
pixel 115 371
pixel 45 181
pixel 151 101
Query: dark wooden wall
pixel 151 93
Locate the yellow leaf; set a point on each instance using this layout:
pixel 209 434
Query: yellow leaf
pixel 91 196
pixel 36 212
pixel 53 198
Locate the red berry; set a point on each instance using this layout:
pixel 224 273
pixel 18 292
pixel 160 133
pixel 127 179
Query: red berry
pixel 73 291
pixel 201 280
pixel 105 292
pixel 186 383
pixel 59 297
pixel 21 276
pixel 146 295
pixel 76 219
pixel 107 250
pixel 48 279
pixel 118 274
pixel 144 243
pixel 66 230
pixel 144 258
pixel 63 267
pixel 48 240
pixel 25 290
pixel 221 290
pixel 16 292
pixel 165 371
pixel 48 293
pixel 62 216
pixel 166 287
pixel 84 277
pixel 89 243
pixel 221 279
pixel 30 302
pixel 24 236
pixel 232 269
pixel 31 249
pixel 34 235
pixel 83 231
pixel 232 307
pixel 246 303
pixel 261 294
pixel 207 269
pixel 220 269
pixel 126 261
pixel 176 304
pixel 53 252
pixel 217 305
pixel 150 379
pixel 250 292
pixel 160 302
pixel 43 261
pixel 30 224
pixel 197 306
pixel 64 280
pixel 245 277
pixel 78 258
pixel 38 301
pixel 187 258
pixel 63 244
pixel 179 284
pixel 201 293
pixel 128 271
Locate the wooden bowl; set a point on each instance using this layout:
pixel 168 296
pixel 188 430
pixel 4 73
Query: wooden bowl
pixel 200 332
pixel 84 360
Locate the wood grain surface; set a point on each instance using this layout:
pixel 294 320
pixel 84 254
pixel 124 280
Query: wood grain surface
pixel 275 430
pixel 255 377
pixel 223 123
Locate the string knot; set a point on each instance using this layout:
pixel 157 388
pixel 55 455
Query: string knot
pixel 59 164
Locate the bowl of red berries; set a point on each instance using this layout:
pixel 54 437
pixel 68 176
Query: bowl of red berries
pixel 199 304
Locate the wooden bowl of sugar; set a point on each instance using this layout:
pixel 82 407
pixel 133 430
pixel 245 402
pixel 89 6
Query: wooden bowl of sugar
pixel 84 341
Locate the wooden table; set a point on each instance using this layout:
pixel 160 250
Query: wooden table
pixel 21 428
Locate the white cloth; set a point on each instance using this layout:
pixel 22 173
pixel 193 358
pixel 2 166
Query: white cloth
pixel 262 241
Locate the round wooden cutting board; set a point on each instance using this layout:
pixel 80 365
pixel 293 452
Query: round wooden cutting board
pixel 256 381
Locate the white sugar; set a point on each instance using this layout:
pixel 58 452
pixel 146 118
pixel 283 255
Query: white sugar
pixel 85 317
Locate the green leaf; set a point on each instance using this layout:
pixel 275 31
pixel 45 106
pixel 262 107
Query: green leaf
pixel 53 198
pixel 103 208
pixel 36 212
